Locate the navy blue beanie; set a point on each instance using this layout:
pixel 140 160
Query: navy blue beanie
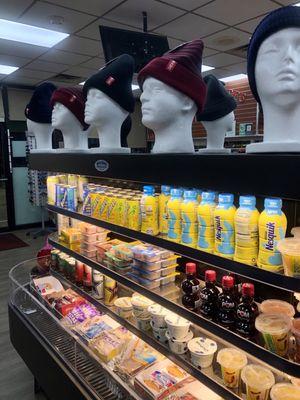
pixel 39 108
pixel 281 18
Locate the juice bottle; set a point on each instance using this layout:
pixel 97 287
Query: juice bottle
pixel 206 230
pixel 149 211
pixel 209 295
pixel 227 303
pixel 272 225
pixel 224 226
pixel 163 215
pixel 174 215
pixel 190 286
pixel 246 312
pixel 189 226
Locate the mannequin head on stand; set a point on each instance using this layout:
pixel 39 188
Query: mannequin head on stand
pixel 109 100
pixel 274 78
pixel 38 114
pixel 172 91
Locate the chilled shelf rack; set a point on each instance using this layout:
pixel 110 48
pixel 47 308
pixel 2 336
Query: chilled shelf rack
pixel 257 351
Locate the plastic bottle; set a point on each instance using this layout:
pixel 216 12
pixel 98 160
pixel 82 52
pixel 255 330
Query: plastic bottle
pixel 224 226
pixel 191 287
pixel 272 228
pixel 209 295
pixel 206 230
pixel 227 303
pixel 246 312
pixel 174 215
pixel 163 199
pixel 149 211
pixel 189 226
pixel 246 231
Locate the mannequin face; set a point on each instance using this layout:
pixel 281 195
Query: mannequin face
pixel 229 120
pixel 62 117
pixel 99 108
pixel 277 68
pixel 161 104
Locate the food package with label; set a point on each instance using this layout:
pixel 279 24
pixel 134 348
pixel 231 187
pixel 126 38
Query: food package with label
pixel 191 389
pixel 107 345
pixel 67 302
pixel 92 327
pixel 48 286
pixel 70 235
pixel 80 314
pixel 159 380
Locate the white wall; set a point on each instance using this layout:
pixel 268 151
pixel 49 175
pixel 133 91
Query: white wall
pixel 17 101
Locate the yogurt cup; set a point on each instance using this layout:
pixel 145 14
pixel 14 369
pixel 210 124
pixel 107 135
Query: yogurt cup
pixel 277 307
pixel 179 346
pixel 178 327
pixel 274 330
pixel 285 391
pixel 123 307
pixel 140 305
pixel 158 314
pixel 232 361
pixel 258 381
pixel 202 351
pixel 144 324
pixel 296 332
pixel 159 333
pixel 290 252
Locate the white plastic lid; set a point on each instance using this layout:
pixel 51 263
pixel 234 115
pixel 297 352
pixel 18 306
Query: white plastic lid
pixel 156 309
pixel 285 391
pixel 257 377
pixel 273 323
pixel 231 358
pixel 176 320
pixel 141 301
pixel 274 306
pixel 123 302
pixel 202 346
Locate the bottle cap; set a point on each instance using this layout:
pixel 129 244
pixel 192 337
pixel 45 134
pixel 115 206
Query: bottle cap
pixel 210 275
pixel 208 196
pixel 273 203
pixel 248 289
pixel 149 189
pixel 165 189
pixel 226 198
pixel 190 268
pixel 176 192
pixel 190 194
pixel 227 281
pixel 248 201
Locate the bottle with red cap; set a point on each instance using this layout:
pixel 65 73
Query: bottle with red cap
pixel 227 304
pixel 191 288
pixel 209 295
pixel 246 312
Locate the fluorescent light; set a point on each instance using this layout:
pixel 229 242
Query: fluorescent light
pixel 18 32
pixel 206 68
pixel 296 5
pixel 81 83
pixel 133 87
pixel 7 69
pixel 233 78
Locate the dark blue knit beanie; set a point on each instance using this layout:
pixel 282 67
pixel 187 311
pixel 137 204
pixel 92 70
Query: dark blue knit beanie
pixel 39 108
pixel 284 17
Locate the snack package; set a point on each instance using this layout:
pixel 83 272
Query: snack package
pixel 92 327
pixel 48 286
pixel 191 389
pixel 107 345
pixel 159 380
pixel 80 314
pixel 67 302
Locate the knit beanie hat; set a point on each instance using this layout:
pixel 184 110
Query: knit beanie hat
pixel 219 102
pixel 39 109
pixel 125 129
pixel 115 80
pixel 281 18
pixel 181 69
pixel 73 99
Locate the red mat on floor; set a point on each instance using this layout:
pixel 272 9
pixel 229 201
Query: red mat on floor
pixel 10 241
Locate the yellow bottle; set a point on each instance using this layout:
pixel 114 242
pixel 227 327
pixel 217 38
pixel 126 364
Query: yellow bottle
pixel 224 226
pixel 189 226
pixel 205 215
pixel 149 211
pixel 246 231
pixel 163 199
pixel 272 228
pixel 174 215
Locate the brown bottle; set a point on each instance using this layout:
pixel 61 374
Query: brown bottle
pixel 191 288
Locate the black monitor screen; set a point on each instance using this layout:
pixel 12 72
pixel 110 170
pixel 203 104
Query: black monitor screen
pixel 140 45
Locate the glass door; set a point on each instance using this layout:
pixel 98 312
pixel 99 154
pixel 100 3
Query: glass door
pixel 6 198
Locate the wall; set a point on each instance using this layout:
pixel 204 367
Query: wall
pixel 17 101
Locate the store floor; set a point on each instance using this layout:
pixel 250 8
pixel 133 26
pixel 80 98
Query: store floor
pixel 16 381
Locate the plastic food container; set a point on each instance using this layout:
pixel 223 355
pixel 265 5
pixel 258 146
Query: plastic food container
pixel 89 245
pixel 179 346
pixel 178 327
pixel 168 279
pixel 277 307
pixel 88 228
pixel 151 275
pixel 144 324
pixel 115 260
pixel 290 252
pixel 285 391
pixel 147 266
pixel 232 361
pixel 258 381
pixel 145 282
pixel 89 237
pixel 123 307
pixel 101 236
pixel 122 270
pixel 159 333
pixel 123 251
pixel 296 333
pixel 140 305
pixel 202 351
pixel 158 314
pixel 168 270
pixel 88 253
pixel 169 261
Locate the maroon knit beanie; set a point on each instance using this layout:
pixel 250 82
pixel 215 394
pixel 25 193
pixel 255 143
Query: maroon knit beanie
pixel 73 99
pixel 181 69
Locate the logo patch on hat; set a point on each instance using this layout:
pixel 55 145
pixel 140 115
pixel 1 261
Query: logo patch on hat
pixel 110 80
pixel 171 65
pixel 73 98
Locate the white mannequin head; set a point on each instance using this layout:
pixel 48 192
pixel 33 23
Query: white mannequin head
pixel 170 114
pixel 43 135
pixel 216 132
pixel 107 116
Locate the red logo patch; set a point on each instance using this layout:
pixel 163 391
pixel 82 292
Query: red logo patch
pixel 110 80
pixel 73 98
pixel 171 65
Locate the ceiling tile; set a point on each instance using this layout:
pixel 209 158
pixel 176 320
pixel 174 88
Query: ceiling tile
pixel 92 31
pixel 21 81
pixel 219 73
pixel 13 9
pixel 93 63
pixel 94 7
pixel 287 2
pixel 221 60
pixel 130 13
pixel 240 68
pixel 80 71
pixel 228 39
pixel 33 74
pixel 10 47
pixel 47 66
pixel 207 51
pixel 63 57
pixel 39 15
pixel 14 61
pixel 232 12
pixel 187 4
pixel 249 26
pixel 190 27
pixel 64 84
pixel 80 45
